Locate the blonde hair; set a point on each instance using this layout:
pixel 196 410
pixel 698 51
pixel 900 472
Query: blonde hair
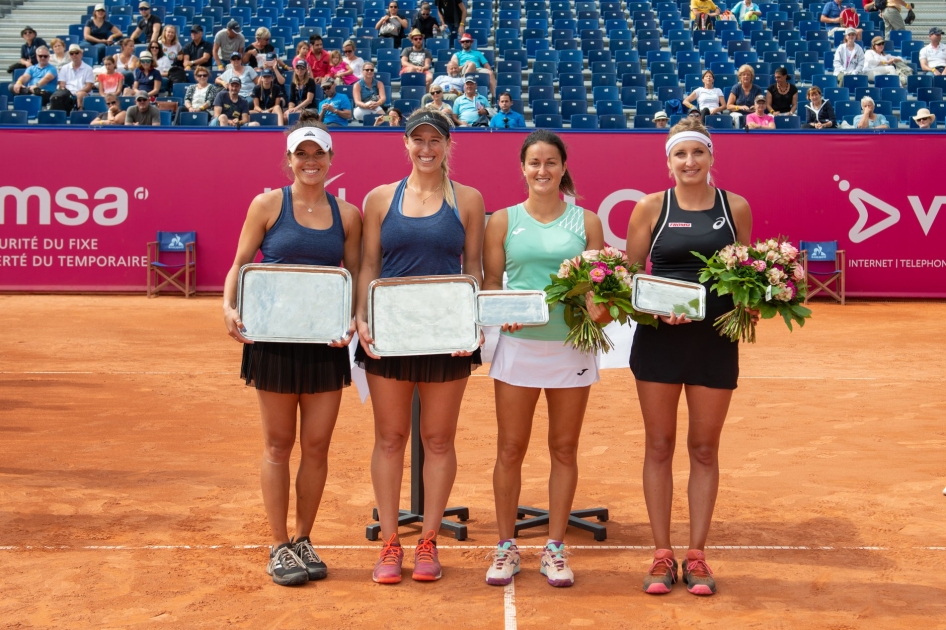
pixel 300 45
pixel 335 55
pixel 746 68
pixel 691 124
pixel 448 195
pixel 263 33
pixel 164 35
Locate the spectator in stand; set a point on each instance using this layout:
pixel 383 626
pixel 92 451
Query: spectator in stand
pixel 417 58
pixel 354 62
pixel 143 113
pixel 452 82
pixel 99 33
pixel 147 77
pixel 392 25
pixel 819 112
pixel 394 118
pixel 247 75
pixel 661 119
pixel 231 109
pixel 429 25
pixel 758 119
pixel 114 115
pixel 924 119
pixel 368 93
pixel 227 41
pixel 507 117
pixel 782 96
pixel 453 13
pixel 339 69
pixel 471 61
pixel 709 99
pixel 200 96
pixel 268 98
pixel 893 21
pixel 471 108
pixel 28 50
pixel 161 63
pixel 702 14
pixel 149 24
pixel 170 43
pixel 75 82
pixel 849 57
pixel 58 56
pixel 110 81
pixel 832 16
pixel 301 88
pixel 437 103
pixel 747 11
pixel 199 52
pixel 741 100
pixel 319 61
pixel 869 119
pixel 877 63
pixel 126 62
pixel 933 55
pixel 38 78
pixel 261 52
pixel 334 109
pixel 869 6
pixel 302 51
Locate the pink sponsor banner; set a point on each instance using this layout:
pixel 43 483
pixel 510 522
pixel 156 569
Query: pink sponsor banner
pixel 76 217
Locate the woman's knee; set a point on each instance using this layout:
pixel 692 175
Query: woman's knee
pixel 704 454
pixel 564 454
pixel 660 449
pixel 278 451
pixel 391 442
pixel 438 444
pixel 511 453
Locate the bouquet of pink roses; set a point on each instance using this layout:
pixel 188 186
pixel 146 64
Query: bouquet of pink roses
pixel 608 275
pixel 765 278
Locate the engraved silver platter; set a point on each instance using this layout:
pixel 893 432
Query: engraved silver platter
pixel 495 308
pixel 663 296
pixel 294 303
pixel 423 315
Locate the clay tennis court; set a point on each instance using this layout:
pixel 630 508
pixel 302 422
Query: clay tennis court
pixel 129 453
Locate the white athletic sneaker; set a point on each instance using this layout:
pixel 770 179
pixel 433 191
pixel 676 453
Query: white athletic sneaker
pixel 555 566
pixel 505 563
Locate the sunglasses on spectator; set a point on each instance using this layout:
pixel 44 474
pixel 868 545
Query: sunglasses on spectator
pixel 367 70
pixel 202 76
pixel 42 56
pixel 143 9
pixel 348 50
pixel 436 91
pixel 75 52
pixel 417 39
pixel 155 47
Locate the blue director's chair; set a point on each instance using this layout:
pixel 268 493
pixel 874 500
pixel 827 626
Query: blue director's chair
pixel 823 264
pixel 181 243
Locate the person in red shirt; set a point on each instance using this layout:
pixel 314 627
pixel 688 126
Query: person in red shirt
pixel 318 59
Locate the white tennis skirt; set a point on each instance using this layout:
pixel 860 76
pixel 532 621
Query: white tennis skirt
pixel 535 363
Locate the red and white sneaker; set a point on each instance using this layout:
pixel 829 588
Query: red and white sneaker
pixel 697 575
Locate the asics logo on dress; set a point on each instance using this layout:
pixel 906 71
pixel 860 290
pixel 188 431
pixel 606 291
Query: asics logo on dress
pixel 517 230
pixel 719 223
pixel 679 225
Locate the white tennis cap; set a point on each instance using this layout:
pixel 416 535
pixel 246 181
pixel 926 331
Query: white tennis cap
pixel 305 134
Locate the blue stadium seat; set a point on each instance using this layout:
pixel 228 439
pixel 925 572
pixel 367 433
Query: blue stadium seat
pixel 570 78
pixel 648 108
pixel 664 94
pixel 548 121
pixel 787 122
pixel 193 119
pixel 846 108
pixel 29 104
pixel 603 107
pixel 836 94
pixel 605 93
pixel 631 94
pixel 95 103
pixel 78 117
pixel 541 92
pixel 894 94
pixel 929 94
pixel 406 105
pixel 612 121
pixel 571 108
pixel 718 121
pixel 546 106
pixel 584 121
pixel 643 121
pixel 51 117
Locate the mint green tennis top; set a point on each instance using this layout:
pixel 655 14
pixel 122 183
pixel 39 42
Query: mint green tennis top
pixel 535 250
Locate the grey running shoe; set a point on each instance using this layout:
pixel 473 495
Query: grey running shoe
pixel 286 567
pixel 313 563
pixel 697 575
pixel 662 574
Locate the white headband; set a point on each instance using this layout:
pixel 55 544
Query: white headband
pixel 683 136
pixel 316 135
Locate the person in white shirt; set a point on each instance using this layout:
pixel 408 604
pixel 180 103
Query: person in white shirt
pixel 709 99
pixel 77 77
pixel 877 63
pixel 849 57
pixel 933 55
pixel 452 83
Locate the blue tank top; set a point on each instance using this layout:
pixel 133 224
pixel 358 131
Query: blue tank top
pixel 420 246
pixel 289 243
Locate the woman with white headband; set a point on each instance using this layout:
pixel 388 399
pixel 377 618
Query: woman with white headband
pixel 300 224
pixel 684 355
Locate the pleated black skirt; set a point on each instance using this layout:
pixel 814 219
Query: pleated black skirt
pixel 295 368
pixel 424 368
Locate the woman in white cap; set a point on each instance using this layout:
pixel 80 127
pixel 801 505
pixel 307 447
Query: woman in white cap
pixel 924 119
pixel 877 62
pixel 147 77
pixel 849 57
pixel 682 355
pixel 424 225
pixel 298 224
pixel 99 33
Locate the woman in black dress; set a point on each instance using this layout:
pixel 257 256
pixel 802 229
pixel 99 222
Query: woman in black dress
pixel 684 355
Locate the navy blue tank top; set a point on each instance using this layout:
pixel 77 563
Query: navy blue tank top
pixel 420 246
pixel 679 232
pixel 289 243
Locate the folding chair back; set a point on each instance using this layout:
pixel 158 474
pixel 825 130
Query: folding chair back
pixel 161 274
pixel 823 264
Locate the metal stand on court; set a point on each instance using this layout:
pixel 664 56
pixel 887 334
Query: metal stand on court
pixel 575 519
pixel 416 513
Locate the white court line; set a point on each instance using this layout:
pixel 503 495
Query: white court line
pixel 509 605
pixel 446 547
pixel 783 378
pixel 120 373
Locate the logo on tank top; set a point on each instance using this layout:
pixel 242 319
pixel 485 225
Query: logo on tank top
pixel 679 225
pixel 719 223
pixel 517 230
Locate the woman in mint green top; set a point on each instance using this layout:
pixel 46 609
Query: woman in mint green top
pixel 528 242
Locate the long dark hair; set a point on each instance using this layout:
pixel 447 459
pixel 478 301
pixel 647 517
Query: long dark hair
pixel 566 186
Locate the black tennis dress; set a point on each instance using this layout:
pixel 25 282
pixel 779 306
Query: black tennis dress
pixel 694 353
pixel 299 368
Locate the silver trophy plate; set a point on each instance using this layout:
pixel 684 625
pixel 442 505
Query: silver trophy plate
pixel 423 315
pixel 663 296
pixel 294 303
pixel 495 308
